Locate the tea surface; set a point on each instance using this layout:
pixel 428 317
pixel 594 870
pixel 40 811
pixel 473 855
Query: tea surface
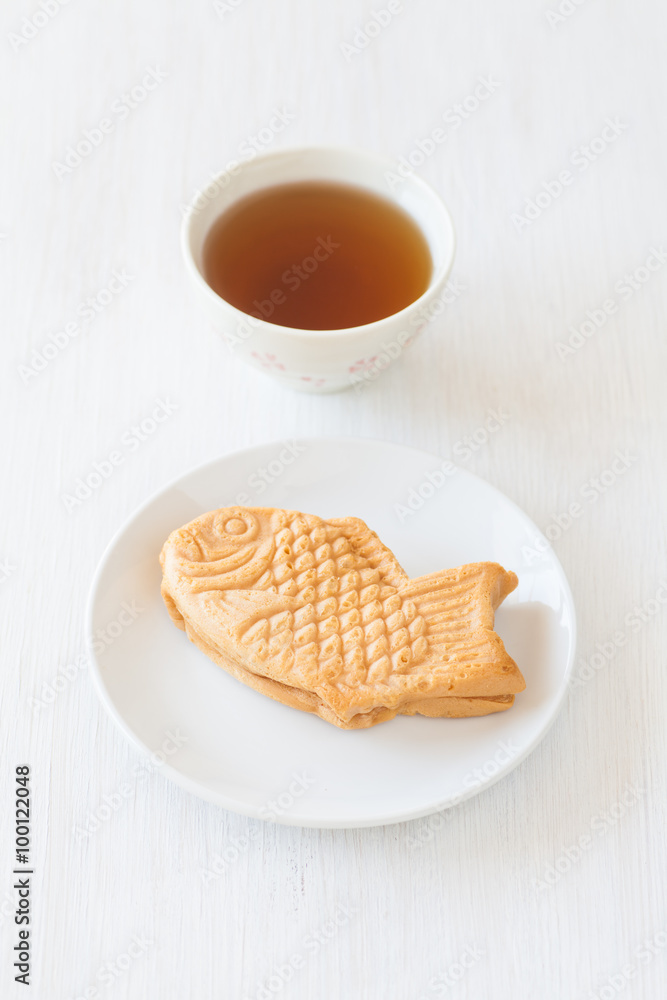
pixel 317 256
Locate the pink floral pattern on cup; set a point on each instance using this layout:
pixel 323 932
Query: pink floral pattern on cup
pixel 362 364
pixel 268 361
pixel 316 382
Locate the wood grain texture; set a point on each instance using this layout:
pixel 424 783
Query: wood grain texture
pixel 469 886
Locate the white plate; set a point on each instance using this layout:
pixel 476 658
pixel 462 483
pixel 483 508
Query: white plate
pixel 257 757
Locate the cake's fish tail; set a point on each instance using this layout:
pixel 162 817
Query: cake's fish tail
pixel 458 607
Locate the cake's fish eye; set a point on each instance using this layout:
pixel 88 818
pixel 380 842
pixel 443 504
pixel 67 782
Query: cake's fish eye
pixel 235 526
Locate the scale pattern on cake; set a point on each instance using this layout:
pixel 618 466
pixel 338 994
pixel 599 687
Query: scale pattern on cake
pixel 322 606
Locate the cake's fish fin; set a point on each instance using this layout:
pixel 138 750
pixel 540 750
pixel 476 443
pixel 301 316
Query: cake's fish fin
pixel 241 617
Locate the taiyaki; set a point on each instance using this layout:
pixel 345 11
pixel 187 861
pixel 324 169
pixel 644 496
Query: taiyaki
pixel 319 615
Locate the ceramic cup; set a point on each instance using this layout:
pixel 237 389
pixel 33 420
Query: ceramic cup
pixel 320 360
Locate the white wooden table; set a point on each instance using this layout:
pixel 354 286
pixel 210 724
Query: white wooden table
pixel 551 883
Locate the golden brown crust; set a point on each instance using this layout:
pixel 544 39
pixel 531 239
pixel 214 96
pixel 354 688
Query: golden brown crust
pixel 319 615
pixel 453 708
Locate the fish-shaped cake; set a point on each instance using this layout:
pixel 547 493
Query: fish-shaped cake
pixel 319 615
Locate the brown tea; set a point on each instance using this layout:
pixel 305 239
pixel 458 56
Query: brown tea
pixel 317 256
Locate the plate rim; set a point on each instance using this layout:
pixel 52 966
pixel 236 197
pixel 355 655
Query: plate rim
pixel 241 807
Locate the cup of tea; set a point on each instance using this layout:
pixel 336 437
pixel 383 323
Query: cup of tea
pixel 319 266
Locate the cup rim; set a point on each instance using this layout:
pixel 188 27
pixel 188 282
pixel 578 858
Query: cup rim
pixel 437 277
